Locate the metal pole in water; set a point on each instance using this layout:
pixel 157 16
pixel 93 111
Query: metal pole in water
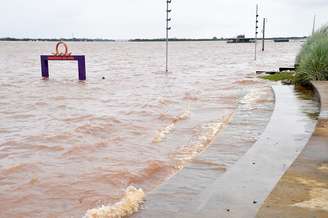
pixel 256 28
pixel 313 29
pixel 168 19
pixel 263 31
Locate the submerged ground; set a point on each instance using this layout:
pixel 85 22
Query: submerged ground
pixel 68 146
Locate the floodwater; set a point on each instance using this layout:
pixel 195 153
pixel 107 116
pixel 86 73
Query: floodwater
pixel 68 146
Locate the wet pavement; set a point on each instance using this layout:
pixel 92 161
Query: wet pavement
pixel 240 190
pixel 230 145
pixel 303 190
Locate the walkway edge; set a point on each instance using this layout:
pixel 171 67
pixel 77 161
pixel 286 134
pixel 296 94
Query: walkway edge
pixel 241 191
pixel 303 190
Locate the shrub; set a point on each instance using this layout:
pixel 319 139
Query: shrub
pixel 312 60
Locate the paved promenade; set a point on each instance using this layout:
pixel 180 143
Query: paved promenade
pixel 303 190
pixel 241 190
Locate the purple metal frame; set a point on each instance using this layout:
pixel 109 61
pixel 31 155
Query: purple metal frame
pixel 79 58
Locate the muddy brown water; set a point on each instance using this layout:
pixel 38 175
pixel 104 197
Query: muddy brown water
pixel 69 146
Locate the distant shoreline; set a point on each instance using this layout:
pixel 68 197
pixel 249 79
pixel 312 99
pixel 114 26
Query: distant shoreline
pixel 10 39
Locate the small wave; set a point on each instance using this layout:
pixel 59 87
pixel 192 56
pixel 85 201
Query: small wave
pixel 18 168
pixel 165 101
pixel 84 149
pixel 254 98
pixel 162 133
pixel 188 153
pixel 250 97
pixel 94 128
pixel 151 172
pixel 190 97
pixel 247 82
pixel 21 116
pixel 41 104
pixel 323 167
pixel 318 200
pixel 148 176
pixel 41 147
pixel 78 118
pixel 50 138
pixel 2 130
pixel 129 204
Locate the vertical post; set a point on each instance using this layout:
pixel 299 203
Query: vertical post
pixel 44 66
pixel 263 31
pixel 82 69
pixel 256 28
pixel 314 20
pixel 167 34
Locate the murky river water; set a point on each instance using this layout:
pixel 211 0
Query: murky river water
pixel 69 146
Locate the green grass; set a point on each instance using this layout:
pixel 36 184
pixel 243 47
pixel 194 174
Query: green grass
pixel 313 58
pixel 280 76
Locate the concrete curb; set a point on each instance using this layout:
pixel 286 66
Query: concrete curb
pixel 303 190
pixel 242 189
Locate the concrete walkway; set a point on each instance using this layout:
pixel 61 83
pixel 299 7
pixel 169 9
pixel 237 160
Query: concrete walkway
pixel 242 189
pixel 228 147
pixel 303 190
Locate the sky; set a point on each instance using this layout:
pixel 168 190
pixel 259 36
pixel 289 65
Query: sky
pixel 127 19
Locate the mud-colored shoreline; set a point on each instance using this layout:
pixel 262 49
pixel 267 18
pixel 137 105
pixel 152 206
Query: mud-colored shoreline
pixel 303 190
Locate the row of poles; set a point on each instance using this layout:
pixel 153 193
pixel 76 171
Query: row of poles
pixel 168 28
pixel 256 31
pixel 263 29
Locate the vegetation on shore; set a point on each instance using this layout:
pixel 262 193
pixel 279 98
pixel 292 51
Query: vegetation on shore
pixel 312 61
pixel 282 76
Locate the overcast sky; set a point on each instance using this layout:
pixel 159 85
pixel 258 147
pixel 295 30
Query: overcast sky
pixel 124 19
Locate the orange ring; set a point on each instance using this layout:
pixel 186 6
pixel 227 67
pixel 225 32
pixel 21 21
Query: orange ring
pixel 66 49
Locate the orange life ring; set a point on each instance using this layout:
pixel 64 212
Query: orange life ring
pixel 58 53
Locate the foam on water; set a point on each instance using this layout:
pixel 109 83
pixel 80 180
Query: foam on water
pixel 318 200
pixel 188 153
pixel 162 133
pixel 129 204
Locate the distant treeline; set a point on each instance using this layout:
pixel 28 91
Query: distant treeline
pixel 134 40
pixel 177 39
pixel 56 40
pixel 210 39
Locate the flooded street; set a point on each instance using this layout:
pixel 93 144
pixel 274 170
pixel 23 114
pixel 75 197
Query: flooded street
pixel 68 146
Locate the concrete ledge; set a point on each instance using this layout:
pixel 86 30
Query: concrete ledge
pixel 321 88
pixel 303 190
pixel 241 190
pixel 229 146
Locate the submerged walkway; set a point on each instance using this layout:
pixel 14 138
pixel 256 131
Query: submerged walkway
pixel 303 190
pixel 241 190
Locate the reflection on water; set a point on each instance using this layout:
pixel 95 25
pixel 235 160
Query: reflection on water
pixel 310 102
pixel 67 146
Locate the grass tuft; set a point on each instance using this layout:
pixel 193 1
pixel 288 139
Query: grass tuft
pixel 312 60
pixel 280 76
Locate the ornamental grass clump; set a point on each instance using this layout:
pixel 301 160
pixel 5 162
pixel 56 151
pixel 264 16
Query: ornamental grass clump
pixel 312 60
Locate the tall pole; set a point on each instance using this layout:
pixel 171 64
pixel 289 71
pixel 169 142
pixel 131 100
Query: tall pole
pixel 168 28
pixel 256 28
pixel 263 31
pixel 313 29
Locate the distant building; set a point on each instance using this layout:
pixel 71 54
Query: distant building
pixel 240 39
